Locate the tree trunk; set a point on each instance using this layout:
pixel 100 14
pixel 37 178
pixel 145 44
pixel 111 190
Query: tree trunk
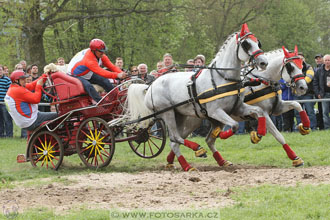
pixel 35 47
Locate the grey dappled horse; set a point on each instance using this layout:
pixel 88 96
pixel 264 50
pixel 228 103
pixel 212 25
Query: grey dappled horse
pixel 288 66
pixel 171 89
pixel 281 64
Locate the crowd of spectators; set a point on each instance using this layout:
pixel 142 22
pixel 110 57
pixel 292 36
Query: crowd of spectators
pixel 317 78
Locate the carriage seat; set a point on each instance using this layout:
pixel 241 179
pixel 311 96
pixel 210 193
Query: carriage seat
pixel 67 86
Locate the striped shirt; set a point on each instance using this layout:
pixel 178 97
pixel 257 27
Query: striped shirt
pixel 4 86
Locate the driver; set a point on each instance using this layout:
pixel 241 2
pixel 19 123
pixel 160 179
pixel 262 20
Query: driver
pixel 86 66
pixel 22 103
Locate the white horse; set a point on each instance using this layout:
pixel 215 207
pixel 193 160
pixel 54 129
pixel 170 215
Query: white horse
pixel 286 65
pixel 281 64
pixel 219 96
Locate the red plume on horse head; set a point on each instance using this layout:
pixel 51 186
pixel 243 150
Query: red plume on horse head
pixel 293 56
pixel 244 30
pixel 245 33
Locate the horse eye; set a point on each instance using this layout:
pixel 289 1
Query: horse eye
pixel 289 68
pixel 246 46
pixel 259 44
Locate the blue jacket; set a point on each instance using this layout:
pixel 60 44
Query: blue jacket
pixel 286 91
pixel 4 86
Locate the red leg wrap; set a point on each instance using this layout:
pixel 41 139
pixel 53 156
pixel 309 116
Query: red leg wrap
pixel 291 154
pixel 170 157
pixel 191 144
pixel 226 134
pixel 217 156
pixel 185 166
pixel 304 119
pixel 262 126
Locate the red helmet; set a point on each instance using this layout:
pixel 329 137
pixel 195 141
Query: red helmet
pixel 18 74
pixel 97 44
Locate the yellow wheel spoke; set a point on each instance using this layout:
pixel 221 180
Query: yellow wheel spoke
pixel 100 147
pixel 90 153
pixel 101 138
pixel 40 149
pixel 92 135
pixel 96 134
pixel 88 142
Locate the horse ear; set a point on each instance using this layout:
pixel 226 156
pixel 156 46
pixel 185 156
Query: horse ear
pixel 286 53
pixel 244 29
pixel 296 49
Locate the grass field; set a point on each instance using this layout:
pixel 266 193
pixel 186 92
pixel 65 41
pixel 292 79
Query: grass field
pixel 261 202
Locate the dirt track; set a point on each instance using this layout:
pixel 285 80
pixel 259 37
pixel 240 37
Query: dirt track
pixel 169 190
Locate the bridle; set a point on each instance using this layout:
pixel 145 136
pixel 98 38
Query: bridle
pixel 241 42
pixel 289 69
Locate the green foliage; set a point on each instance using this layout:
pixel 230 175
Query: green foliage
pixel 42 30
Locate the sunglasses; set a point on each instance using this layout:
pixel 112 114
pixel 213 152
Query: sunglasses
pixel 134 70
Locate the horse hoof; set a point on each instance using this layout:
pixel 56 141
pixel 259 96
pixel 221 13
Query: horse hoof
pixel 201 152
pixel 227 164
pixel 297 162
pixel 192 169
pixel 170 166
pixel 255 138
pixel 303 130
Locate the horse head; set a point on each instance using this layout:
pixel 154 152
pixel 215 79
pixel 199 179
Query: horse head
pixel 292 71
pixel 249 48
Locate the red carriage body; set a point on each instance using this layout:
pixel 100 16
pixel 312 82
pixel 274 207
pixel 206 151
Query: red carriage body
pixel 82 127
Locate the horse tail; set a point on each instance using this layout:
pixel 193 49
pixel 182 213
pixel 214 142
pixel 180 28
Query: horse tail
pixel 136 107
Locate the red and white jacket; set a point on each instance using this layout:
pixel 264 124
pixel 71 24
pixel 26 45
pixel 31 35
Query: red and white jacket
pixel 22 103
pixel 85 63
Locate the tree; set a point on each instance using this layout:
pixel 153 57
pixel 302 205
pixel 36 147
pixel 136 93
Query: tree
pixel 33 17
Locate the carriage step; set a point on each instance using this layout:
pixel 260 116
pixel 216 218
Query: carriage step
pixel 21 158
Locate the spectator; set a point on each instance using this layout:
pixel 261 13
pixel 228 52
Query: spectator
pixel 23 104
pixel 6 71
pixel 288 117
pixel 86 66
pixel 308 72
pixel 34 72
pixel 322 88
pixel 61 65
pixel 143 73
pixel 168 63
pixel 199 60
pixel 319 115
pixel 23 63
pixel 6 122
pixel 134 72
pixel 318 61
pixel 120 63
pixel 189 62
pixel 160 65
pixel 19 67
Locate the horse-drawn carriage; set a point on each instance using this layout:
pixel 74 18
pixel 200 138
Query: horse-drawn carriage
pixel 82 127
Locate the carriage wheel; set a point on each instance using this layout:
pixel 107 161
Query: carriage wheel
pixel 95 143
pixel 150 142
pixel 46 150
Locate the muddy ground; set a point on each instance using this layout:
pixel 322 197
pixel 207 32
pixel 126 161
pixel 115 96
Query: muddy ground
pixel 210 187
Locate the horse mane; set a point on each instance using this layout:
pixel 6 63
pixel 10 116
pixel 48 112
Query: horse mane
pixel 224 45
pixel 274 51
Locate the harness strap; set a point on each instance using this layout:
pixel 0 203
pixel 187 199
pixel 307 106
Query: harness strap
pixel 194 93
pixel 263 94
pixel 191 95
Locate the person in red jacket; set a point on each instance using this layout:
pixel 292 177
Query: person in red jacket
pixel 22 103
pixel 86 66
